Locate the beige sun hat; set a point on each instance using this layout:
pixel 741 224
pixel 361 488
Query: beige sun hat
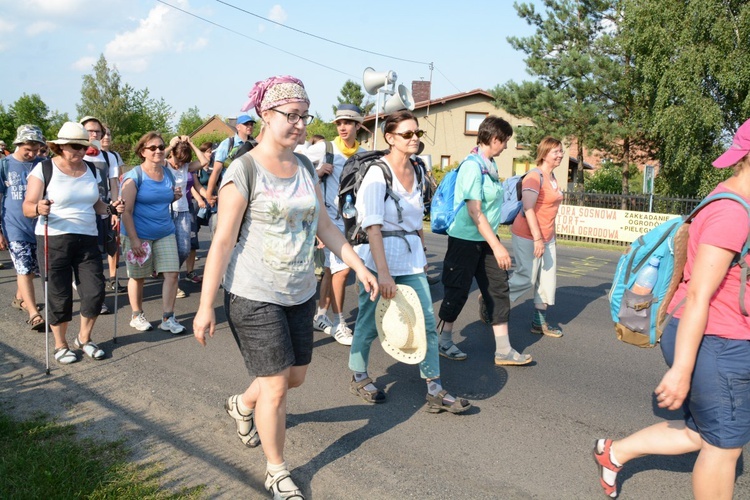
pixel 72 133
pixel 401 328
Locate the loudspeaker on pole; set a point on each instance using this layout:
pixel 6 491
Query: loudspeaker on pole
pixel 373 80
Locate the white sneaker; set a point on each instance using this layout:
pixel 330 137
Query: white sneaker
pixel 180 294
pixel 140 323
pixel 343 334
pixel 322 323
pixel 172 325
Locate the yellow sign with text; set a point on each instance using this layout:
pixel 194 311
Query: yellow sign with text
pixel 607 223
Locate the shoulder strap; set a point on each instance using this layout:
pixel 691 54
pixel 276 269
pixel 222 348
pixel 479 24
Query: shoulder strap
pixel 4 167
pixel 307 163
pixel 168 172
pixel 106 157
pixel 47 175
pixel 329 152
pixel 231 145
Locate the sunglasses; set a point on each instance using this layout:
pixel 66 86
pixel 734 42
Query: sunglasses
pixel 76 147
pixel 160 147
pixel 409 134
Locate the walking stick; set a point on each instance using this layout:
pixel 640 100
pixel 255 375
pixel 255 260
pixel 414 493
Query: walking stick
pixel 46 286
pixel 117 281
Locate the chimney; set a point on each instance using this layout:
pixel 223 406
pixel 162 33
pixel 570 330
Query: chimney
pixel 420 90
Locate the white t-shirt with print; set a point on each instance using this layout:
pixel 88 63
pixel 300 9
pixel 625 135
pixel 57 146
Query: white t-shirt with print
pixel 273 259
pixel 180 181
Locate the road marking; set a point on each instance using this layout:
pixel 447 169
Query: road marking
pixel 581 267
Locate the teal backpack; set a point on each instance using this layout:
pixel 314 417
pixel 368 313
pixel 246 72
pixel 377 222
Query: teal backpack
pixel 640 319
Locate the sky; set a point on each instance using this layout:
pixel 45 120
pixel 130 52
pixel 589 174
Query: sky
pixel 48 45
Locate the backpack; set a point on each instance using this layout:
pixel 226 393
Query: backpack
pixel 442 212
pixel 641 319
pixel 512 193
pixel 236 152
pixel 353 173
pixel 139 176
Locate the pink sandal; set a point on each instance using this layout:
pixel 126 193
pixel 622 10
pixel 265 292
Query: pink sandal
pixel 607 470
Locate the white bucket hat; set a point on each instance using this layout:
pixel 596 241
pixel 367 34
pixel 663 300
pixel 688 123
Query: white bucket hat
pixel 72 133
pixel 401 328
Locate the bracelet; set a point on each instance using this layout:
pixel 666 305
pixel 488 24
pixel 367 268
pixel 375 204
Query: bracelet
pixel 539 239
pixel 37 208
pixel 111 210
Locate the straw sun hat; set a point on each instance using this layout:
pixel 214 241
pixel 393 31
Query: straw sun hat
pixel 400 324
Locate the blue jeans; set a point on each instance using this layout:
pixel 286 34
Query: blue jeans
pixel 365 331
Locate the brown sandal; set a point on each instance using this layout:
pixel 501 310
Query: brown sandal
pixel 18 304
pixel 437 403
pixel 358 389
pixel 36 322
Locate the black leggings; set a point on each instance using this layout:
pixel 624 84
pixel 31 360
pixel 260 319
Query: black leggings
pixel 466 260
pixel 72 255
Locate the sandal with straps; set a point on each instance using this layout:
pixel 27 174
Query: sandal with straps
pixel 607 470
pixel 451 351
pixel 437 403
pixel 273 487
pixel 65 356
pixel 358 389
pixel 90 349
pixel 36 322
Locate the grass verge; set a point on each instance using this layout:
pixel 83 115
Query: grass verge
pixel 42 459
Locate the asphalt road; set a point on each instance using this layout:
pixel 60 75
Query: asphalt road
pixel 529 434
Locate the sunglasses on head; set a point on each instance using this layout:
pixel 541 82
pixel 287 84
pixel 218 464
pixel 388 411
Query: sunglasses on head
pixel 76 147
pixel 409 134
pixel 160 147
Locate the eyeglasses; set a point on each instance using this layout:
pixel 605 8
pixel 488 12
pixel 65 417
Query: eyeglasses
pixel 76 147
pixel 94 132
pixel 160 147
pixel 294 117
pixel 409 134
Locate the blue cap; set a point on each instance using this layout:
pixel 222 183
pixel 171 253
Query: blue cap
pixel 242 119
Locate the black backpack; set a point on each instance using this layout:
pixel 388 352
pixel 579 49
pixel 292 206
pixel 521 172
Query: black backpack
pixel 352 174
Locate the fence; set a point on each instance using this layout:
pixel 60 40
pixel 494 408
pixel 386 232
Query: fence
pixel 633 202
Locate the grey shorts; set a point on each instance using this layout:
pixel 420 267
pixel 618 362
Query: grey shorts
pixel 271 337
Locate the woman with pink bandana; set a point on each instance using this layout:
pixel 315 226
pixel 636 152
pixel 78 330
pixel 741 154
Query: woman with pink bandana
pixel 268 271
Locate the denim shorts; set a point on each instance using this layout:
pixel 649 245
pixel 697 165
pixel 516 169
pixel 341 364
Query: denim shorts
pixel 718 404
pixel 271 337
pixel 23 255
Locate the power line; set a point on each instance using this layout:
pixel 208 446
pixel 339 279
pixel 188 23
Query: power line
pixel 255 40
pixel 446 79
pixel 320 37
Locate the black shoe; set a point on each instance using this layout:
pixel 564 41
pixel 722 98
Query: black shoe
pixel 111 284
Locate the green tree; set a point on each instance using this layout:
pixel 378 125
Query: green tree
pixel 7 127
pixel 352 93
pixel 30 109
pixel 321 127
pixel 128 112
pixel 189 121
pixel 562 102
pixel 692 61
pixel 608 179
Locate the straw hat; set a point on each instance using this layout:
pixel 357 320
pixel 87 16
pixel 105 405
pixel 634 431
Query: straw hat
pixel 72 133
pixel 401 328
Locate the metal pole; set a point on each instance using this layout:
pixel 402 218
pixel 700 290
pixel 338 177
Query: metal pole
pixel 45 221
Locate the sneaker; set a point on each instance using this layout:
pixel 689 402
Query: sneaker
pixel 140 323
pixel 547 330
pixel 281 486
pixel 105 309
pixel 192 277
pixel 607 470
pixel 322 323
pixel 180 294
pixel 90 349
pixel 172 325
pixel 113 286
pixel 343 334
pixel 246 430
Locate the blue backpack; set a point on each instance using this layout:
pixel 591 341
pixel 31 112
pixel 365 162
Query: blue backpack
pixel 512 190
pixel 442 212
pixel 640 319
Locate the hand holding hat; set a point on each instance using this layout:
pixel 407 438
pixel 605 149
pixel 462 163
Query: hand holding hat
pixel 401 327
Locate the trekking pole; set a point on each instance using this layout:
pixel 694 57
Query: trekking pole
pixel 117 281
pixel 45 221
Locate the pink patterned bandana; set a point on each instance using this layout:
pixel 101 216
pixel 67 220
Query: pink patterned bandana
pixel 274 92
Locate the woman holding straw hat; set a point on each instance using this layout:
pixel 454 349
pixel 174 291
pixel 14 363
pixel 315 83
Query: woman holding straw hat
pixel 269 280
pixel 396 252
pixel 68 206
